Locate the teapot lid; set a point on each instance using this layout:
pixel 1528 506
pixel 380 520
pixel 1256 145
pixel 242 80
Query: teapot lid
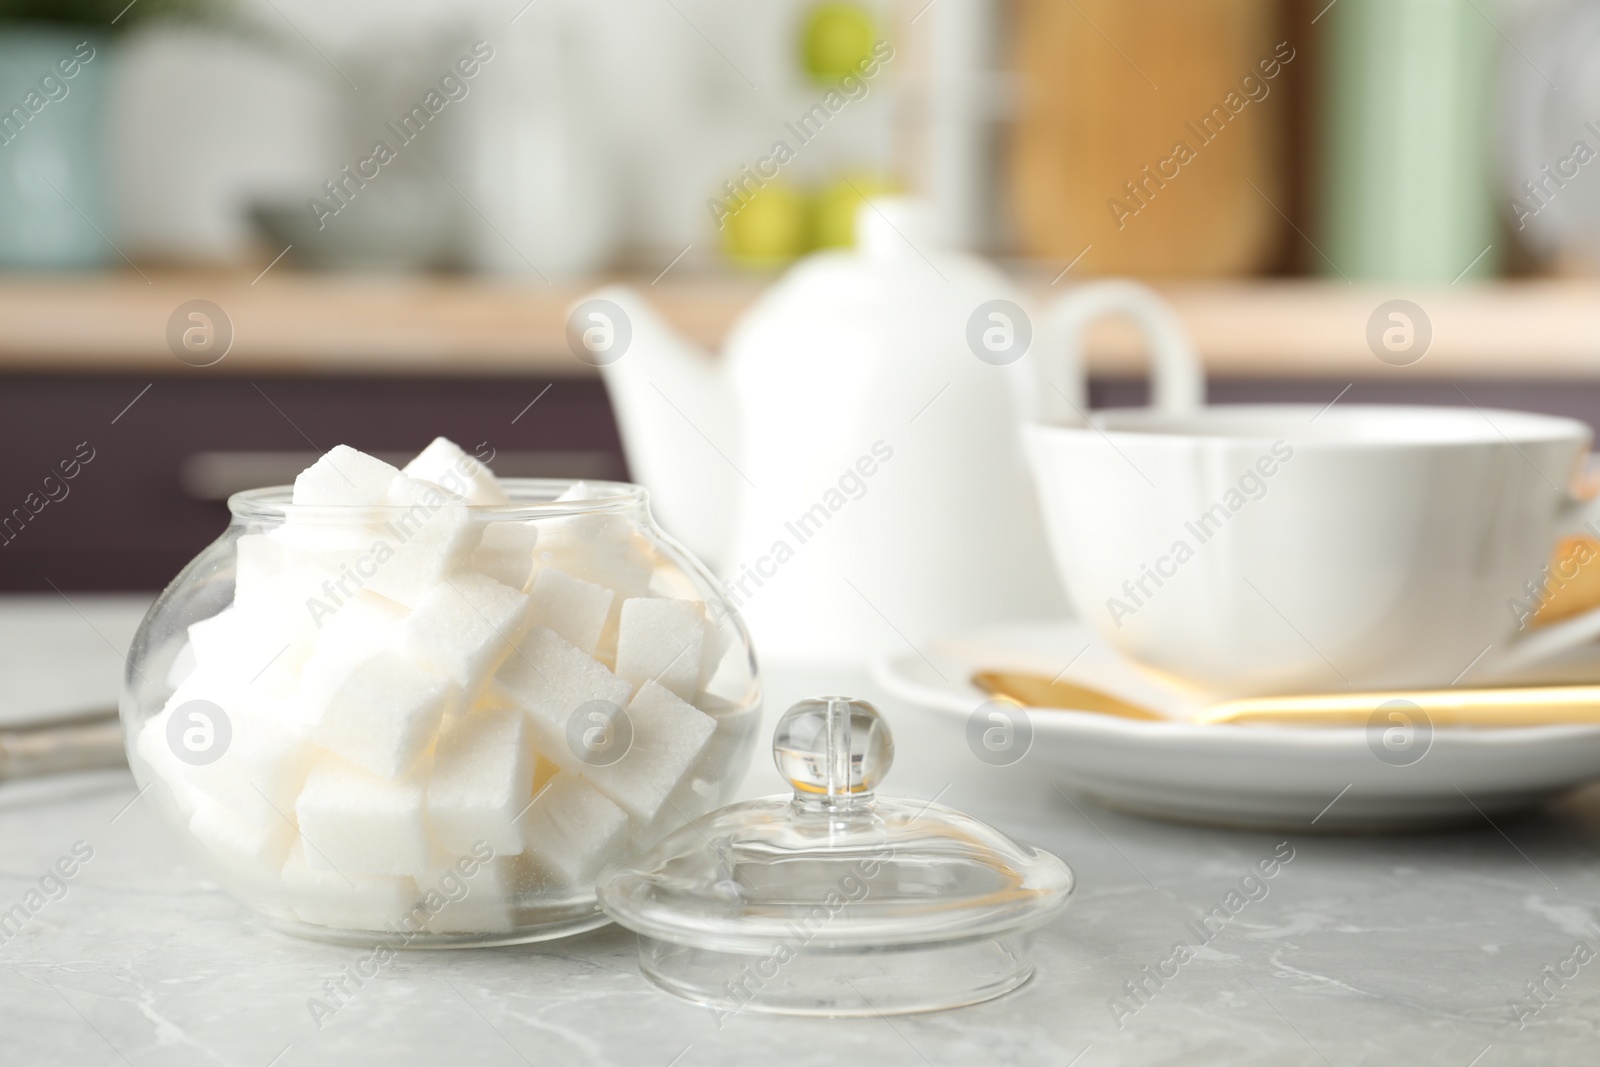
pixel 893 226
pixel 836 901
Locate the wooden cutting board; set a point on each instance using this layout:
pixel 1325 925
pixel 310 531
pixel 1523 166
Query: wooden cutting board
pixel 1108 88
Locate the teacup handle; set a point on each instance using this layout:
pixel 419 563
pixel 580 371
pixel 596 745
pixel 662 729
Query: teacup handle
pixel 1177 381
pixel 1532 647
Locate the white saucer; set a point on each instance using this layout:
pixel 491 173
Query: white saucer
pixel 1258 777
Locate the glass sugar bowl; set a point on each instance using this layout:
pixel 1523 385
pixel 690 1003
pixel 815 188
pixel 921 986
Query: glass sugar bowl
pixel 435 721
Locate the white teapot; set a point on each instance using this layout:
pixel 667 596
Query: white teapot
pixel 852 466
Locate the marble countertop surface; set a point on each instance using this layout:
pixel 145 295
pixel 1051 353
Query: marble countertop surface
pixel 1474 948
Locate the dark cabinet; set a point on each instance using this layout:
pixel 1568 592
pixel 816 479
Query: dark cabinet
pixel 165 452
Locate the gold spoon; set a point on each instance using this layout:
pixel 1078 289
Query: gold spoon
pixel 1479 708
pixel 1037 691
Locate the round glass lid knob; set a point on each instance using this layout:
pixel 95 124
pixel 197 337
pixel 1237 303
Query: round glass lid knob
pixel 833 749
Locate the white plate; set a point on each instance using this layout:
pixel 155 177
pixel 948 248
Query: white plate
pixel 1258 777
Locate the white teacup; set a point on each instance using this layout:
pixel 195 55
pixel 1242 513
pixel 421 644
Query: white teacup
pixel 1281 548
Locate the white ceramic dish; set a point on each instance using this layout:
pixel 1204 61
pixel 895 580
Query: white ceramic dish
pixel 1257 777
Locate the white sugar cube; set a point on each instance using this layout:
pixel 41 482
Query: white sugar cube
pixel 505 552
pixel 465 626
pixel 571 828
pixel 668 735
pixel 384 714
pixel 730 748
pixel 594 528
pixel 266 578
pixel 662 640
pixel 344 476
pixel 363 624
pixel 579 490
pixel 550 679
pixel 406 491
pixel 711 775
pixel 329 562
pixel 624 567
pixel 259 559
pixel 473 897
pixel 253 645
pixel 354 822
pixel 354 632
pixel 330 542
pixel 482 779
pixel 253 845
pixel 604 548
pixel 426 534
pixel 572 607
pixel 171 775
pixel 444 464
pixel 264 767
pixel 490 697
pixel 216 640
pixel 294 598
pixel 346 901
pixel 261 757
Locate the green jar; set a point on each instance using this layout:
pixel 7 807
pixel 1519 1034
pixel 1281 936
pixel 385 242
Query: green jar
pixel 1407 175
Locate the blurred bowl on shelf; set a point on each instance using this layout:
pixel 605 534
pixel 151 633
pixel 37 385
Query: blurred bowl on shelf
pixel 398 225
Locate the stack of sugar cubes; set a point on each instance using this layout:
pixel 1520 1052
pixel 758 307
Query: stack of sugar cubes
pixel 410 696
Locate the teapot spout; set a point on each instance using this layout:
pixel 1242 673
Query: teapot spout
pixel 680 429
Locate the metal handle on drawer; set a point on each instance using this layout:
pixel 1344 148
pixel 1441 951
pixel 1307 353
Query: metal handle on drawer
pixel 85 742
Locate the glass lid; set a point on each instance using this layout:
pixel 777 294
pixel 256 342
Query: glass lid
pixel 836 890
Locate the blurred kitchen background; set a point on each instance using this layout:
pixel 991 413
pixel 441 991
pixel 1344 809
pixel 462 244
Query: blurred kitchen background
pixel 383 212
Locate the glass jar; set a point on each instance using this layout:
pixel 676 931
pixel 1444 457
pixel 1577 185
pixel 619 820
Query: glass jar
pixel 436 723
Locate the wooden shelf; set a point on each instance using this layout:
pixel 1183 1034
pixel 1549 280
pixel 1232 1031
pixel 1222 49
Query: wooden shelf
pixel 300 324
pixel 1305 329
pixel 327 324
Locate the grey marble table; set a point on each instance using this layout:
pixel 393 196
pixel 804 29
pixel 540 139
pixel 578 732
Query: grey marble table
pixel 1466 948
